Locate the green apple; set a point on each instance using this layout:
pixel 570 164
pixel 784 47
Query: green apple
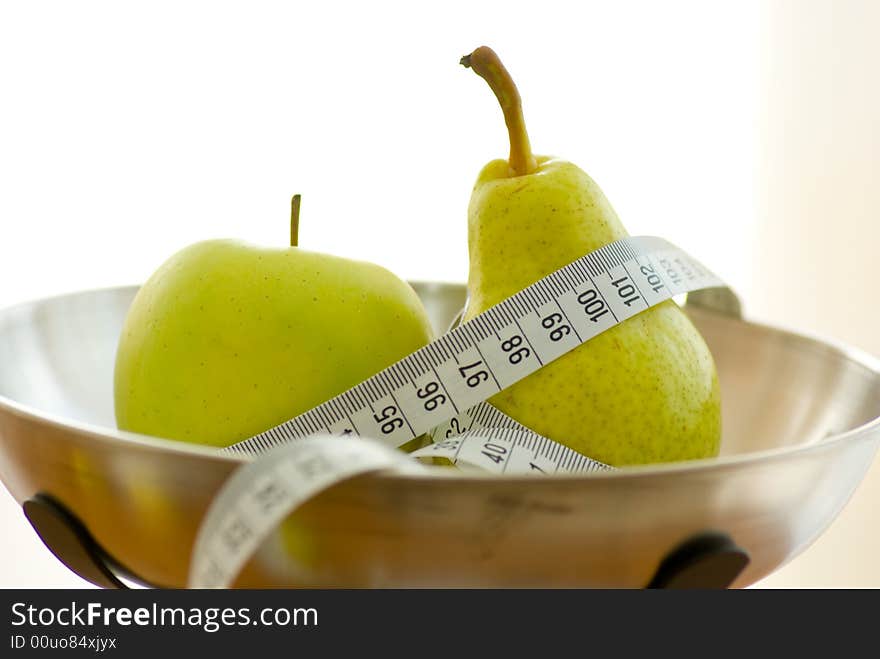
pixel 227 339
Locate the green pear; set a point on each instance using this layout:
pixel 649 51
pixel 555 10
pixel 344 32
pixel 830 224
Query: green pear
pixel 227 339
pixel 645 390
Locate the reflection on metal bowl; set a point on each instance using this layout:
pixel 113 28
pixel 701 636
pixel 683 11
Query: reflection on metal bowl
pixel 801 426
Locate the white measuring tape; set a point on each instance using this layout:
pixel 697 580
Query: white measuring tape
pixel 440 390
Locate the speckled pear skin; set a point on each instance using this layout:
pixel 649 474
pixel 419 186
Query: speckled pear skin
pixel 644 391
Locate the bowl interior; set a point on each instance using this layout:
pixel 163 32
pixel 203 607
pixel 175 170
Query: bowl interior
pixel 778 389
pixel 776 486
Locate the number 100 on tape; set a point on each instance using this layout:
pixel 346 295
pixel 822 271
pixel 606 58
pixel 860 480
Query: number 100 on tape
pixel 444 380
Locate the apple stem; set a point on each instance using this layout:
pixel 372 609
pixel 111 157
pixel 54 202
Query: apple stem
pixel 294 220
pixel 488 66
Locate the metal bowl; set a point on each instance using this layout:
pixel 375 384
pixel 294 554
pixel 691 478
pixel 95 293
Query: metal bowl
pixel 801 425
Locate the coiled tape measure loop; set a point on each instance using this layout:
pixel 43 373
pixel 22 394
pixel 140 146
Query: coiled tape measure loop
pixel 440 390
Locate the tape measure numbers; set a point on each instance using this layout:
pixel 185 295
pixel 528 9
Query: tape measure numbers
pixel 440 390
pixel 501 346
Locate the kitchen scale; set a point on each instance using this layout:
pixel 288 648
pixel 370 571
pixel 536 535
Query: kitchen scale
pixel 801 418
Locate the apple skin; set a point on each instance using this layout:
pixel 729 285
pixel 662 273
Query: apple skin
pixel 228 339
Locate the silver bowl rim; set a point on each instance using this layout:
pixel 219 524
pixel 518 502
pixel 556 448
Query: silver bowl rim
pixel 116 437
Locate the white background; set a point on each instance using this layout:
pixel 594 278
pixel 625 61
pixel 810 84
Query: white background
pixel 733 129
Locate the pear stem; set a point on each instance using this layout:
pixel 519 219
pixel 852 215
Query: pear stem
pixel 294 220
pixel 488 66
